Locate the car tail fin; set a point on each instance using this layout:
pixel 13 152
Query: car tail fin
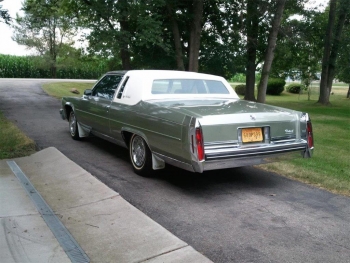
pixel 310 137
pixel 199 144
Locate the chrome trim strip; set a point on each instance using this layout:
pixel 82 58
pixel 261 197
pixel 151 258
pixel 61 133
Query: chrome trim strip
pixel 283 138
pixel 220 146
pixel 254 153
pixel 137 128
pixel 108 138
pixel 220 142
pixel 283 141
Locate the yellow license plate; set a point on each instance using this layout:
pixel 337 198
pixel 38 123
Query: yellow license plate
pixel 252 135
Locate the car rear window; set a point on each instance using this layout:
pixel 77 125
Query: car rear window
pixel 188 86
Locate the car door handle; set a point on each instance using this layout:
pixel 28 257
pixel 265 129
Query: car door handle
pixel 107 107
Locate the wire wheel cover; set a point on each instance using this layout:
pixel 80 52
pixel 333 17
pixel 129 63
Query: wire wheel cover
pixel 138 151
pixel 72 124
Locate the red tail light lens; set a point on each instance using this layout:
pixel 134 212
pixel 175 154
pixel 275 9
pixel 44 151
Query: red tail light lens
pixel 199 143
pixel 310 137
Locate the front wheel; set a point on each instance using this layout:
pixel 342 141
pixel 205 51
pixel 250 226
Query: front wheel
pixel 140 155
pixel 73 126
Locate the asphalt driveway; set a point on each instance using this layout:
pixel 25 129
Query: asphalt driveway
pixel 232 215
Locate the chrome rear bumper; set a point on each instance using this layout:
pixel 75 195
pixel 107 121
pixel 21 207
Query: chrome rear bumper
pixel 231 157
pixel 226 158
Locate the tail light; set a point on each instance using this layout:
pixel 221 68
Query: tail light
pixel 199 144
pixel 310 137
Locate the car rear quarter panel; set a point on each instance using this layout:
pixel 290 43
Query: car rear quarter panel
pixel 165 131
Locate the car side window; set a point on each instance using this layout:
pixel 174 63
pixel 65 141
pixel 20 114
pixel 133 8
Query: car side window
pixel 188 86
pixel 121 90
pixel 106 87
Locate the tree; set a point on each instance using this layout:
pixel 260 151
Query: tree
pixel 261 17
pixel 120 28
pixel 44 28
pixel 343 65
pixel 299 47
pixel 252 27
pixel 161 34
pixel 337 17
pixel 195 34
pixel 270 50
pixel 176 34
pixel 4 15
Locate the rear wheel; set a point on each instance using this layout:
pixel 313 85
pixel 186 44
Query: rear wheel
pixel 140 155
pixel 73 126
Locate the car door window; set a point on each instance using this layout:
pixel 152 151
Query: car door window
pixel 107 86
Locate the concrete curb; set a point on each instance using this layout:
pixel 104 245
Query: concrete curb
pixel 107 227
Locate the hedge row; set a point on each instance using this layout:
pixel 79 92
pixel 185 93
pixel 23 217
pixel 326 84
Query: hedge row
pixel 295 88
pixel 28 67
pixel 275 86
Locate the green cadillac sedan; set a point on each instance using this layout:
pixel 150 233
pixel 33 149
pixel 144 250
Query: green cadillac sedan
pixel 190 120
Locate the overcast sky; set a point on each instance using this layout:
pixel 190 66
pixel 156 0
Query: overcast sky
pixel 8 46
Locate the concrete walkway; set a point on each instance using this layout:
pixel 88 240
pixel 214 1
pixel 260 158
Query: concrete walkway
pixel 105 226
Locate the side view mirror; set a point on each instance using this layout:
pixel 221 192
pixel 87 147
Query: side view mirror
pixel 88 92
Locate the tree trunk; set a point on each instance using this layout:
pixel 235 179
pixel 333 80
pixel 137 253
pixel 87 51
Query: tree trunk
pixel 53 48
pixel 348 95
pixel 270 51
pixel 125 57
pixel 343 12
pixel 324 91
pixel 177 41
pixel 195 35
pixel 124 47
pixel 252 42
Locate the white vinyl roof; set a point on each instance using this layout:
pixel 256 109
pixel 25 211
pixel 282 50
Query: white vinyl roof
pixel 140 84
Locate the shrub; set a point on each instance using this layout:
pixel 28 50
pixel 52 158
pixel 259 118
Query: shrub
pixel 240 89
pixel 275 86
pixel 295 88
pixel 239 77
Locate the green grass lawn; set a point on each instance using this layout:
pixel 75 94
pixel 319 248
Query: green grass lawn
pixel 62 89
pixel 329 168
pixel 13 143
